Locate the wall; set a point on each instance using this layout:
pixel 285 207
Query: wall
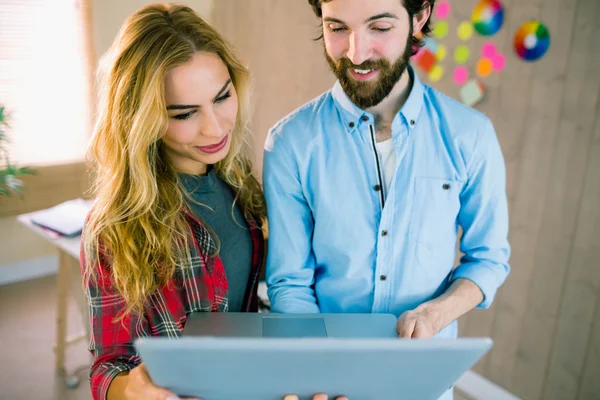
pixel 546 320
pixel 109 15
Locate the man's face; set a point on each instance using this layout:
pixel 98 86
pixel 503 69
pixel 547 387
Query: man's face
pixel 367 46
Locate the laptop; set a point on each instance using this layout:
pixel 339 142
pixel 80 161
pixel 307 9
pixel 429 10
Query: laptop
pixel 305 355
pixel 269 368
pixel 270 325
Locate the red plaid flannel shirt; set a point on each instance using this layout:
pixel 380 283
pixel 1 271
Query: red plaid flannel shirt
pixel 199 285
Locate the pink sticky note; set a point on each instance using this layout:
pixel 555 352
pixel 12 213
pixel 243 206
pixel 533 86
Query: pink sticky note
pixel 418 54
pixel 498 62
pixel 443 10
pixel 488 50
pixel 461 75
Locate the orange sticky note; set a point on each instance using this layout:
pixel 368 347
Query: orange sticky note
pixel 484 67
pixel 426 61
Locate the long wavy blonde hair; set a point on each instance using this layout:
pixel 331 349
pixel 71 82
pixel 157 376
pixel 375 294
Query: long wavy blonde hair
pixel 137 220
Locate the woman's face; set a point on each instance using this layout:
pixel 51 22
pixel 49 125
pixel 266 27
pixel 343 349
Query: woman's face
pixel 202 105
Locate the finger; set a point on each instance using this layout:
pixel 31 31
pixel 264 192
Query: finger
pixel 291 397
pixel 320 396
pixel 421 331
pixel 341 398
pixel 406 328
pixel 161 394
pixel 418 332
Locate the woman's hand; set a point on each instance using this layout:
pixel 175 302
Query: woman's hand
pixel 140 386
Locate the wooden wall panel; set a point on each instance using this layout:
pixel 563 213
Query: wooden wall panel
pixel 577 334
pixel 562 198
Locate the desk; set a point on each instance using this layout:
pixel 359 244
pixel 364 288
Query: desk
pixel 68 281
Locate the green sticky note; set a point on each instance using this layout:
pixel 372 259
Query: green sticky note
pixel 462 54
pixel 440 30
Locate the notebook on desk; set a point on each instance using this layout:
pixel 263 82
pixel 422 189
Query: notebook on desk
pixel 66 219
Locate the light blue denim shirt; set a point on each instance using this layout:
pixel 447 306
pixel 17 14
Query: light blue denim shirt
pixel 337 244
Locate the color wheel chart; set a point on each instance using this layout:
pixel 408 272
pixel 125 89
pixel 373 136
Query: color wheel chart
pixel 488 17
pixel 532 40
pixel 477 54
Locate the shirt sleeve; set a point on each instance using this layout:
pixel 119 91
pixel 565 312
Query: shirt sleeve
pixel 290 260
pixel 111 341
pixel 484 218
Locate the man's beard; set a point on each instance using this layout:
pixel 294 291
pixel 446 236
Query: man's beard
pixel 367 94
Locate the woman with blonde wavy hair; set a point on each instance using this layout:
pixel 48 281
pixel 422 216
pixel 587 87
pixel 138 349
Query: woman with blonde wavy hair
pixel 176 224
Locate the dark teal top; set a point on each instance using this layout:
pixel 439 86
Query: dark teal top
pixel 215 210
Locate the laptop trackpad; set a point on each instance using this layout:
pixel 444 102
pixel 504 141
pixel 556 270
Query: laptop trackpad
pixel 293 327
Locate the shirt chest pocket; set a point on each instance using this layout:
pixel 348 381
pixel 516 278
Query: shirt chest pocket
pixel 435 207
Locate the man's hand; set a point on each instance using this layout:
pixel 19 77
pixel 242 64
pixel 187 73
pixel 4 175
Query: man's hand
pixel 428 319
pixel 316 397
pixel 423 322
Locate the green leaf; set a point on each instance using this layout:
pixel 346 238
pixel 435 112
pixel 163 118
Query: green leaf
pixel 25 171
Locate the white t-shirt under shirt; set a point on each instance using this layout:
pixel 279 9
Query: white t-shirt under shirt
pixel 387 162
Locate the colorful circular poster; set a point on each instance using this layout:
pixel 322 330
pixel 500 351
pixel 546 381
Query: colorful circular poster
pixel 532 40
pixel 488 17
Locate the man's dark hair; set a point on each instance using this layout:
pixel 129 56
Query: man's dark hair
pixel 412 6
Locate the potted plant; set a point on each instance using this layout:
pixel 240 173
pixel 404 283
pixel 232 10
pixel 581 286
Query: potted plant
pixel 9 173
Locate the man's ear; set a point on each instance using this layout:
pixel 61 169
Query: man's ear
pixel 420 19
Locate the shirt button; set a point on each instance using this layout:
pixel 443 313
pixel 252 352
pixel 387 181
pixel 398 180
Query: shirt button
pixel 351 124
pixel 364 118
pixel 446 186
pixel 383 277
pixel 377 188
pixel 384 233
pixel 412 121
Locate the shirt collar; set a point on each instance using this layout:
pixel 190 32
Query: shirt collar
pixel 352 115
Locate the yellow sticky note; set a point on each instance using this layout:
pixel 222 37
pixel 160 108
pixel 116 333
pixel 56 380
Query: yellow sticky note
pixel 440 30
pixel 441 52
pixel 461 54
pixel 465 31
pixel 436 73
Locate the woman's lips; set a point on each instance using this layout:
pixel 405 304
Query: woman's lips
pixel 213 148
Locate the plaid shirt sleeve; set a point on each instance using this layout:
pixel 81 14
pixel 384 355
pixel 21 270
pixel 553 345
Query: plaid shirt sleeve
pixel 111 343
pixel 198 287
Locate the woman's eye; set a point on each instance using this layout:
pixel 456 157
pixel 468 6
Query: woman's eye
pixel 183 116
pixel 224 97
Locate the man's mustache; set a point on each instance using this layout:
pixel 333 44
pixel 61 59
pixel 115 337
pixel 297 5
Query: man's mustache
pixel 344 63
